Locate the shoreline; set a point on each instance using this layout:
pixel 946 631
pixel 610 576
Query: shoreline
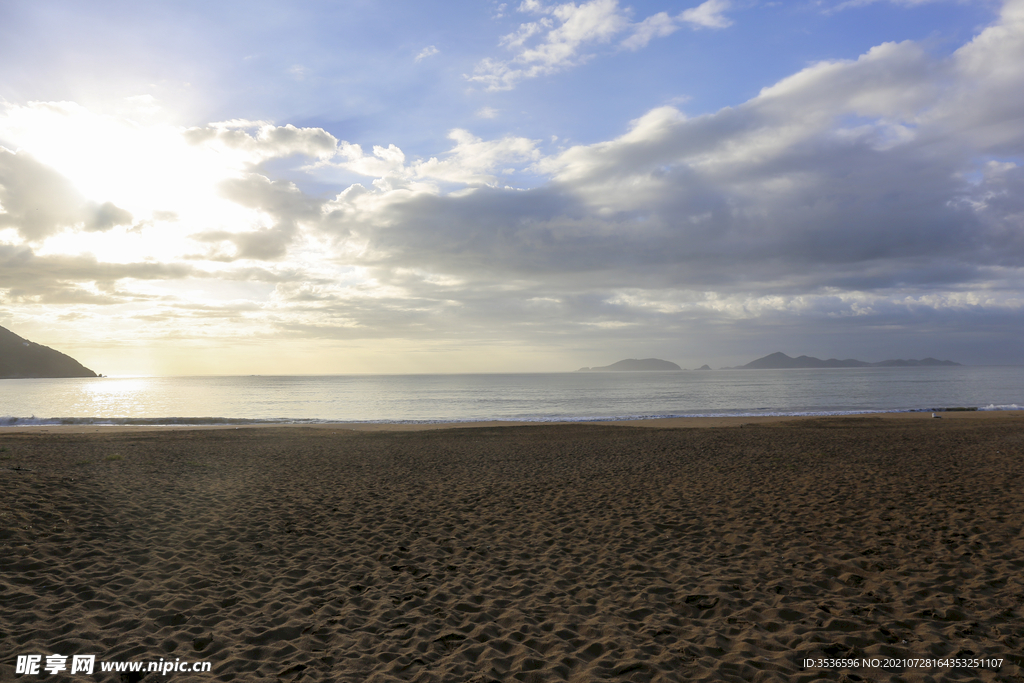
pixel 688 422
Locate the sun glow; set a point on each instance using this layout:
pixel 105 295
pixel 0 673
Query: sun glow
pixel 143 165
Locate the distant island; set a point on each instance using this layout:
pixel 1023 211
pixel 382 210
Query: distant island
pixel 634 365
pixel 22 359
pixel 780 361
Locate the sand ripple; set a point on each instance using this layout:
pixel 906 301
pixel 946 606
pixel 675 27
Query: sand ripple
pixel 546 553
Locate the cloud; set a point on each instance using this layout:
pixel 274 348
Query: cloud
pixel 708 14
pixel 264 140
pixel 564 30
pixel 23 273
pixel 140 167
pixel 106 216
pixel 38 201
pixel 280 201
pixel 428 51
pixel 560 37
pixel 264 244
pixel 472 161
pixel 655 26
pixel 853 188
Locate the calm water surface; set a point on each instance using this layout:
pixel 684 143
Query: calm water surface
pixel 551 396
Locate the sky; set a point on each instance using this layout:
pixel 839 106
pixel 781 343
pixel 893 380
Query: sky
pixel 394 186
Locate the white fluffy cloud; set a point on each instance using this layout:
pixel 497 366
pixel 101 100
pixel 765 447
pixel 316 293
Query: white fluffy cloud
pixel 563 35
pixel 710 14
pixel 564 30
pixel 428 51
pixel 655 26
pixel 472 161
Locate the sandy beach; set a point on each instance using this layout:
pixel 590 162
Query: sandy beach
pixel 856 548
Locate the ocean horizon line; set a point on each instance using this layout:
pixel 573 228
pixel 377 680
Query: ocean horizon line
pixel 518 372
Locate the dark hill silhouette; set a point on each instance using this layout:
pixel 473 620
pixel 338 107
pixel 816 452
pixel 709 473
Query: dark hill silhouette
pixel 634 365
pixel 780 361
pixel 20 358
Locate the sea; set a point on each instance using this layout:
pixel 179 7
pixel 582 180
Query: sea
pixel 536 397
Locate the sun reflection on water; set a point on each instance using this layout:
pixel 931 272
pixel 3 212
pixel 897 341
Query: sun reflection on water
pixel 121 396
